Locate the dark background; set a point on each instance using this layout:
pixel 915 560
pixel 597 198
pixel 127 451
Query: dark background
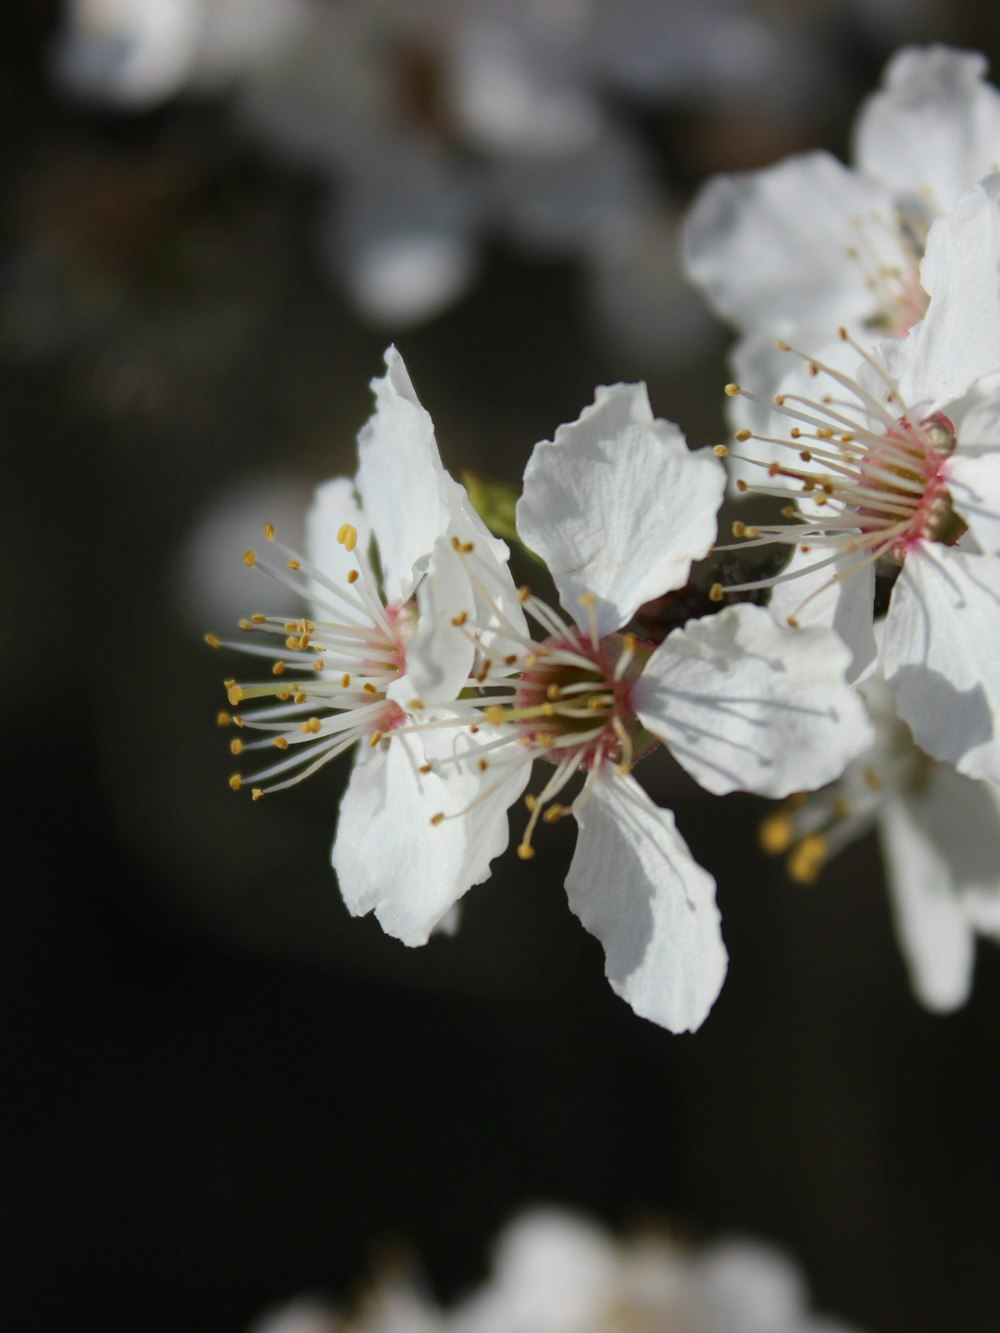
pixel 220 1090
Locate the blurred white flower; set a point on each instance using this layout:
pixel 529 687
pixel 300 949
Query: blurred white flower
pixel 940 837
pixel 794 251
pixel 556 1272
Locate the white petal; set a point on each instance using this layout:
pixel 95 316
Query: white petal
pixel 440 654
pixel 771 248
pixel 388 856
pixel 634 884
pixel 935 127
pixel 334 504
pixel 746 705
pixel 618 506
pixel 941 652
pixel 400 480
pixel 844 604
pixel 934 934
pixel 974 486
pixel 958 340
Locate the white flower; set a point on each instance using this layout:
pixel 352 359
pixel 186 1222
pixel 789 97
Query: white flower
pixel 903 472
pixel 807 245
pixel 557 1272
pixel 940 836
pixel 619 508
pixel 378 664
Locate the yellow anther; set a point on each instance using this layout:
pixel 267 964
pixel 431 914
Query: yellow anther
pixel 222 719
pixel 293 564
pixel 776 834
pixel 292 643
pixel 299 698
pixel 523 594
pixel 258 618
pixel 793 622
pixel 752 534
pixel 237 721
pixel 805 862
pixel 732 391
pixel 460 619
pixel 213 641
pixel 742 486
pixel 483 765
pixel 416 705
pixel 553 813
pixel 280 743
pixel 779 400
pixel 369 688
pixel 235 781
pixel 376 736
pixel 425 768
pixel 782 346
pixel 510 659
pixel 256 793
pixel 235 695
pixel 236 746
pixel 245 624
pixel 548 710
pixel 466 548
pixel 843 334
pixel 720 451
pixel 311 726
pixel 494 715
pixel 353 575
pixel 319 664
pixel 250 559
pixel 531 661
pixel 525 851
pixel 347 536
pixel 345 679
pixel 743 435
pixel 716 592
pixel 438 818
pixel 278 669
pixel 586 599
pixel 739 528
pixel 283 696
pixel 553 691
pixel 531 802
pixel 229 683
pixel 456 545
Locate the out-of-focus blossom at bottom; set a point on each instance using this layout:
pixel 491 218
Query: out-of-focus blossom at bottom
pixel 555 1271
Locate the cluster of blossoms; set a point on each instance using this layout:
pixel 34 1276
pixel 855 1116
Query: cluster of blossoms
pixel 557 1272
pixel 884 452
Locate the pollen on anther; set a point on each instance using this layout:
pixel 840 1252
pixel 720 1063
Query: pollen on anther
pixel 353 575
pixel 258 618
pixel 425 768
pixel 280 743
pixel 483 765
pixel 293 564
pixel 256 793
pixel 416 705
pixel 376 736
pixel 460 619
pixel 438 818
pixel 720 451
pixel 235 695
pixel 494 715
pixel 278 669
pixel 716 592
pixel 345 679
pixel 235 781
pixel 347 536
pixel 732 390
pixel 523 594
pixel 369 688
pixel 525 851
pixel 319 664
pixel 743 435
pixel 236 746
pixel 222 719
pixel 250 559
pixel 213 641
pixel 300 698
pixel 269 532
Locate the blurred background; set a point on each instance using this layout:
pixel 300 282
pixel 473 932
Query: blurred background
pixel 221 1090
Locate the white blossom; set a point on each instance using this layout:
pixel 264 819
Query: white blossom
pixel 897 468
pixel 378 665
pixel 740 702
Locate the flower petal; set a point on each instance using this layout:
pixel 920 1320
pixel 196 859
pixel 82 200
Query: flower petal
pixel 746 705
pixel 958 340
pixel 772 248
pixel 400 480
pixel 833 597
pixel 634 884
pixel 934 933
pixel 934 127
pixel 974 486
pixel 940 653
pixel 388 856
pixel 618 506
